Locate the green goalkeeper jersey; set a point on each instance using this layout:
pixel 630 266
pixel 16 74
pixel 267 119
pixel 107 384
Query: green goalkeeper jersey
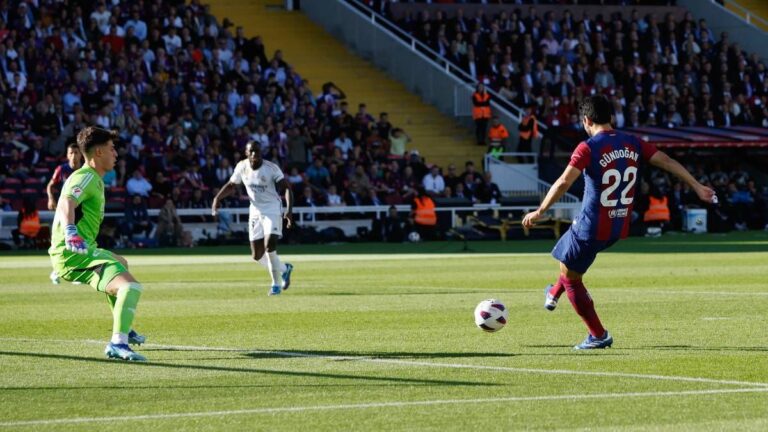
pixel 86 188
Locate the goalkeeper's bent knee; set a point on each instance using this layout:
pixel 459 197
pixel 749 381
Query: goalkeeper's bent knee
pixel 137 286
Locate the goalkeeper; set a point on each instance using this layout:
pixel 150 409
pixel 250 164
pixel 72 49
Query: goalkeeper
pixel 73 251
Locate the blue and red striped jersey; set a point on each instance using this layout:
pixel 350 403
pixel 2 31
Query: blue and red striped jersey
pixel 61 173
pixel 610 161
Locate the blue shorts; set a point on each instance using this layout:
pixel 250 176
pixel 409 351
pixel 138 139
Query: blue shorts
pixel 578 255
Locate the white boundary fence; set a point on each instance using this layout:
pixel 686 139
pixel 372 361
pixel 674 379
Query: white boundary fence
pixel 307 216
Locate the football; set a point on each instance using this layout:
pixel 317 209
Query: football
pixel 414 237
pixel 491 315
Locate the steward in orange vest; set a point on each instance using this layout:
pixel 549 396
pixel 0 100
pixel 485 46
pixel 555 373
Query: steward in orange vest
pixel 28 222
pixel 481 112
pixel 30 225
pixel 528 130
pixel 424 211
pixel 658 210
pixel 423 214
pixel 481 103
pixel 497 135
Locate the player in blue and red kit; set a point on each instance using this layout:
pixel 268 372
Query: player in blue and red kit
pixel 611 162
pixel 60 175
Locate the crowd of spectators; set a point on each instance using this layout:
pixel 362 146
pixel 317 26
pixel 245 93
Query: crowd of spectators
pixel 743 202
pixel 185 93
pixel 657 70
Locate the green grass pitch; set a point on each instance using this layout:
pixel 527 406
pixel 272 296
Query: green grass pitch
pixel 369 340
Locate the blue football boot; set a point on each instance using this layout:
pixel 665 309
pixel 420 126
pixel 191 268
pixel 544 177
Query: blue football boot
pixel 122 352
pixel 135 338
pixel 592 342
pixel 287 276
pixel 550 302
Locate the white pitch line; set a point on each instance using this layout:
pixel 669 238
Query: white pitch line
pixel 641 290
pixel 78 420
pixel 245 258
pixel 434 364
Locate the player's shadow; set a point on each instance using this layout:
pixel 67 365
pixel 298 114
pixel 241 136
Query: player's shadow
pixel 571 351
pixel 393 293
pixel 354 355
pixel 701 348
pixel 192 387
pixel 408 381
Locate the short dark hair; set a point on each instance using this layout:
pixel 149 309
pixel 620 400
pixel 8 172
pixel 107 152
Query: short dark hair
pixel 73 144
pixel 93 136
pixel 596 108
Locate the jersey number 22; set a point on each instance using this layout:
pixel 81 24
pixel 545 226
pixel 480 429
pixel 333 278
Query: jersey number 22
pixel 613 179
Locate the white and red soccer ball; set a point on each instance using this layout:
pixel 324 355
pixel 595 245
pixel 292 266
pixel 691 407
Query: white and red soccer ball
pixel 491 315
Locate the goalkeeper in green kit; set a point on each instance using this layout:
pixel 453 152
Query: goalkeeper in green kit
pixel 73 251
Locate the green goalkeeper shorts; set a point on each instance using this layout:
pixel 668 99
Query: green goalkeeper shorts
pixel 97 268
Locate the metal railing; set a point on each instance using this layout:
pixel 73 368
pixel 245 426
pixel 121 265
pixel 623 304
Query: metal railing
pixel 541 187
pixel 745 14
pixel 307 215
pixel 499 102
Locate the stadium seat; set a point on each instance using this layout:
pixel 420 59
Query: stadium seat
pixel 29 192
pixel 33 183
pixel 12 183
pixel 8 193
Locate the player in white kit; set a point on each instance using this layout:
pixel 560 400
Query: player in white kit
pixel 264 183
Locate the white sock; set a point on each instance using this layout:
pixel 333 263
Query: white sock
pixel 264 260
pixel 274 269
pixel 283 268
pixel 119 338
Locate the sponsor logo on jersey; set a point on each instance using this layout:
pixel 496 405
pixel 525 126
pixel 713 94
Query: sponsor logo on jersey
pixel 258 188
pixel 618 213
pixel 77 191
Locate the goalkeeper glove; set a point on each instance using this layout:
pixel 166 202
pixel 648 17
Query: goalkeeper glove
pixel 73 242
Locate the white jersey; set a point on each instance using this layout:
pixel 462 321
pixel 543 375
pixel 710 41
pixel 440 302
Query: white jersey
pixel 260 185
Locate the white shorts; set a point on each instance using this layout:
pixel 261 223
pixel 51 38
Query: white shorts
pixel 259 226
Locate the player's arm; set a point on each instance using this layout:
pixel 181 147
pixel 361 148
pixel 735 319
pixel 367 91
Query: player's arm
pixel 49 189
pixel 558 189
pixel 228 190
pixel 65 214
pixel 284 188
pixel 663 161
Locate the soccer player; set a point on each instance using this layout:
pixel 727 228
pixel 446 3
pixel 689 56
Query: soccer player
pixel 264 183
pixel 60 174
pixel 73 251
pixel 610 161
pixel 63 171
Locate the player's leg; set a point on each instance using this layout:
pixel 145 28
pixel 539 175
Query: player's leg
pixel 134 338
pixel 274 228
pixel 256 235
pixel 111 298
pixel 258 252
pixel 584 306
pixel 576 256
pixel 257 240
pixel 274 266
pixel 552 292
pixel 119 283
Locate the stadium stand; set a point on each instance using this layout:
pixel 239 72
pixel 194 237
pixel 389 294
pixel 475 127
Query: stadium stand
pixel 186 93
pixel 672 81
